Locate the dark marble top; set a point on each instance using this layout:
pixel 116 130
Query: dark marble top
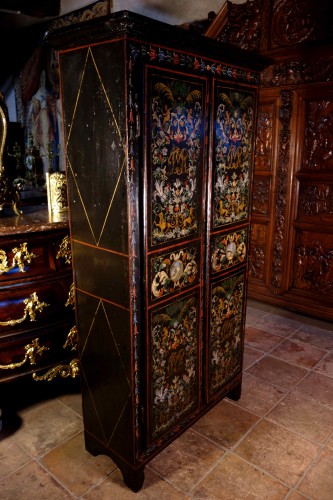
pixel 33 218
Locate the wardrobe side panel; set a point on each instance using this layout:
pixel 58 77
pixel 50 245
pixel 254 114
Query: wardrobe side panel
pixel 95 120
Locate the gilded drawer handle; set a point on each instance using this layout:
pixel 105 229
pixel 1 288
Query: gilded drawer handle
pixel 70 300
pixel 32 351
pixel 32 306
pixel 21 255
pixel 72 370
pixel 65 250
pixel 72 339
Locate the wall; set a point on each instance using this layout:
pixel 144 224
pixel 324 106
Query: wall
pixel 170 12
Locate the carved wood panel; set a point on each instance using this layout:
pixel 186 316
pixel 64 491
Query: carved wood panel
pixel 315 201
pixel 318 137
pixel 281 199
pixel 271 24
pixel 258 251
pixel 313 264
pixel 261 191
pixel 292 190
pixel 264 136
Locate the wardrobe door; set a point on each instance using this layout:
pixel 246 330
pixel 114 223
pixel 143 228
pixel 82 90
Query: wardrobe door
pixel 228 234
pixel 174 227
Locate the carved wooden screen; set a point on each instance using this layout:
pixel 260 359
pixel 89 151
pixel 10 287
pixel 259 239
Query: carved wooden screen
pixel 291 233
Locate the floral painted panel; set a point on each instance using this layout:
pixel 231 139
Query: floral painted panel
pixel 176 145
pixel 228 250
pixel 173 271
pixel 233 149
pixel 226 330
pixel 174 363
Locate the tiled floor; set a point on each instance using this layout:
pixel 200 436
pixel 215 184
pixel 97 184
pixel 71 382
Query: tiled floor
pixel 276 442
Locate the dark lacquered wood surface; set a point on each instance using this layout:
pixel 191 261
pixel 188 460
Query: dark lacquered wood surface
pixel 34 218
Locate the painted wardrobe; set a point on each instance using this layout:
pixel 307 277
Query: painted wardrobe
pixel 159 126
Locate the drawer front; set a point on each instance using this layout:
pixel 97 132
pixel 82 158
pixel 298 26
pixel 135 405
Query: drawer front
pixel 37 350
pixel 27 256
pixel 41 303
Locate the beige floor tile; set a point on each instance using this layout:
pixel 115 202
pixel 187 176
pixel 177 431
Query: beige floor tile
pixel 250 356
pixel 296 495
pixel 234 479
pixel 303 416
pixel 32 482
pixel 308 321
pixel 329 443
pixel 73 401
pixel 260 339
pixel 318 483
pixel 154 488
pixel 225 424
pixel 277 451
pixel 75 468
pixel 12 457
pixel 185 461
pixel 317 387
pixel 316 336
pixel 47 427
pixel 278 325
pixel 326 365
pixel 259 396
pixel 277 372
pixel 253 314
pixel 299 353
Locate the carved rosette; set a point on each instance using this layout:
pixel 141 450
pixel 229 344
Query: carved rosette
pixel 281 190
pixel 293 21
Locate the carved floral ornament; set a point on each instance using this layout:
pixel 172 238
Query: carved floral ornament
pixel 279 24
pixel 21 257
pixel 297 71
pixel 269 24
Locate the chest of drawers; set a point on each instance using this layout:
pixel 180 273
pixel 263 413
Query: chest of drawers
pixel 35 281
